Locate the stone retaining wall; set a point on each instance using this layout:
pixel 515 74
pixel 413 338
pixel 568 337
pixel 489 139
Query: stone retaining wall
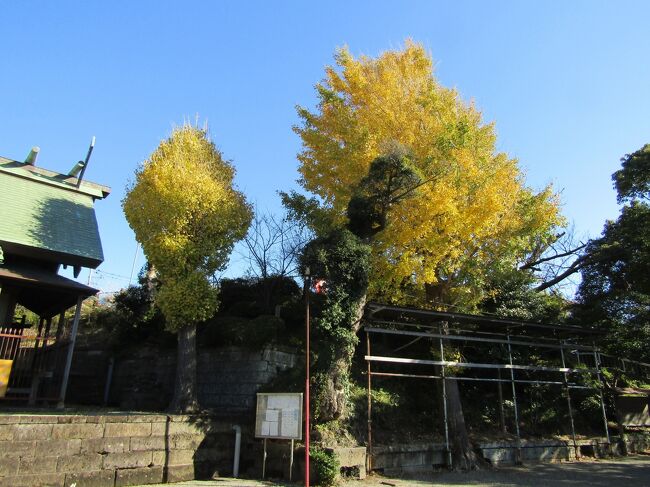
pixel 228 377
pixel 422 457
pixel 110 450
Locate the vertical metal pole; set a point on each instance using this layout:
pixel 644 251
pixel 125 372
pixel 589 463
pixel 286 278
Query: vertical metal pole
pixel 444 404
pixel 291 462
pixel 307 421
pixel 600 391
pixel 514 401
pixel 68 361
pixel 369 372
pixel 264 461
pixel 568 401
pixel 109 379
pixel 502 413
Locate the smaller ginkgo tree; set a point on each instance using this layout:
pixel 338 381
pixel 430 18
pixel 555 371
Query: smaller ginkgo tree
pixel 187 215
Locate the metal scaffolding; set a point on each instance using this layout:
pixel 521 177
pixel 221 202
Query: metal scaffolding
pixel 450 328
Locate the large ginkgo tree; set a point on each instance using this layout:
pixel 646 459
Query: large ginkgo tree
pixel 468 210
pixel 187 216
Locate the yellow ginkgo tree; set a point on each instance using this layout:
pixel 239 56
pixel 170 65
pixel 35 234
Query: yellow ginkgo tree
pixel 472 209
pixel 469 213
pixel 187 216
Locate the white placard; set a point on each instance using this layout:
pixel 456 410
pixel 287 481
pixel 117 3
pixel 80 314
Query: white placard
pixel 279 415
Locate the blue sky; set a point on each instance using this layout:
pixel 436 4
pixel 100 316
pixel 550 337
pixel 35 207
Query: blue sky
pixel 567 84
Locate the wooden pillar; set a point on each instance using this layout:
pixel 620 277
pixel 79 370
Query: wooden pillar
pixel 7 306
pixel 68 362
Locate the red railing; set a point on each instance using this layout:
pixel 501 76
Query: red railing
pixel 38 358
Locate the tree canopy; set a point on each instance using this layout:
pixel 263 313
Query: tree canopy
pixel 470 208
pixel 615 290
pixel 187 216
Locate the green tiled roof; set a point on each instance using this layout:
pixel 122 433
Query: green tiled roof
pixel 44 215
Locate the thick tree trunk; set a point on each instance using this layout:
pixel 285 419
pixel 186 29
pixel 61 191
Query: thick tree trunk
pixel 332 402
pixel 463 455
pixel 462 452
pixel 333 387
pixel 184 400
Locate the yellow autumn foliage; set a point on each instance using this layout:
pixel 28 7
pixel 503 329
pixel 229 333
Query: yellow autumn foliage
pixel 474 209
pixel 187 216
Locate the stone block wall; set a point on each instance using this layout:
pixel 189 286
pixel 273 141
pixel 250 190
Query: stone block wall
pixel 110 450
pixel 228 377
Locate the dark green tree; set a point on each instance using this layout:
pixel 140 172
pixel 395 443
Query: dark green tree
pixel 342 256
pixel 615 291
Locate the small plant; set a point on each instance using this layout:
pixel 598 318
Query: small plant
pixel 327 467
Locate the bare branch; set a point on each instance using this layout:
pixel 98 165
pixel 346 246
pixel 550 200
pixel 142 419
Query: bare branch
pixel 533 265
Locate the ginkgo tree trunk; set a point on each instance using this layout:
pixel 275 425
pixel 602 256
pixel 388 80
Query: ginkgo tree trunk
pixel 187 216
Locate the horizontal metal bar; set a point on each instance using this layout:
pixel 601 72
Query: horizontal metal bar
pixel 474 339
pixel 461 330
pixel 626 360
pixel 478 379
pixel 500 447
pixel 462 317
pixel 398 360
pixel 415 376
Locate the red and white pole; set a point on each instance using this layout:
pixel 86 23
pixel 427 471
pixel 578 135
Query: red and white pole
pixel 307 289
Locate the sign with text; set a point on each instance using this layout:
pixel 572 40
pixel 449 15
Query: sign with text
pixel 279 415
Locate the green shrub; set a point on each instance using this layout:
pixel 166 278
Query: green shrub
pixel 327 467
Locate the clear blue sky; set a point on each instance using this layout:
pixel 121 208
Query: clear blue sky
pixel 567 83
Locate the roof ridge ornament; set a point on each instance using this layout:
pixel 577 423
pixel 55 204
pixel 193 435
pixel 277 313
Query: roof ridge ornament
pixel 32 156
pixel 80 167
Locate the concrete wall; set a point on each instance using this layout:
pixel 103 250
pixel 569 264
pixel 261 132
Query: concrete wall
pixel 228 378
pixel 422 457
pixel 412 457
pixel 633 409
pixel 110 450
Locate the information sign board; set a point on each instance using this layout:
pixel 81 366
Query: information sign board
pixel 279 415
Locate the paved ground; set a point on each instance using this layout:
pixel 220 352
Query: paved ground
pixel 632 471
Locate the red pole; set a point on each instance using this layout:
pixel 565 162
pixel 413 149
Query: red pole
pixel 307 286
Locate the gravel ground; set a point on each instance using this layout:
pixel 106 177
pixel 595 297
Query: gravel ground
pixel 632 471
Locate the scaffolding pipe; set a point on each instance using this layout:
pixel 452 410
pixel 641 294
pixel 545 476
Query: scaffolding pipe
pixel 470 365
pixel 526 343
pixel 502 413
pixel 369 456
pixel 568 400
pixel 480 379
pixel 514 401
pixel 450 463
pixel 600 393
